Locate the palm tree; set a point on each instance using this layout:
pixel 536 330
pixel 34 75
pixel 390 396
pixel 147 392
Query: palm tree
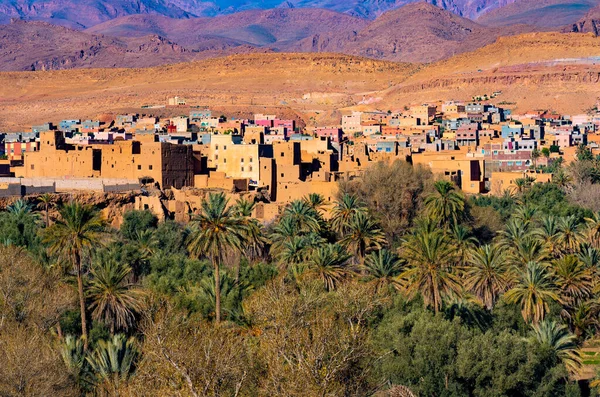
pixel 563 343
pixel 363 234
pixel 573 279
pixel 215 230
pixel 529 249
pixel 146 242
pixel 113 362
pixel 46 199
pixel 430 257
pixel 533 292
pixel 344 209
pixel 80 228
pixel 73 355
pixel 22 216
pixel 525 214
pixel 462 241
pixel 514 232
pixel 114 300
pixel 315 200
pixel 445 205
pixel 330 264
pixel 382 269
pixel 546 232
pixel 589 256
pixel 486 274
pixel 295 251
pixel 593 229
pixel 304 218
pixel 244 207
pixel 283 232
pixel 568 236
pixel 254 241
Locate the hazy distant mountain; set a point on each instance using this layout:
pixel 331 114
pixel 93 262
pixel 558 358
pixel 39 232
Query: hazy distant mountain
pixel 543 13
pixel 42 46
pixel 87 13
pixel 276 28
pixel 413 33
pixel 84 13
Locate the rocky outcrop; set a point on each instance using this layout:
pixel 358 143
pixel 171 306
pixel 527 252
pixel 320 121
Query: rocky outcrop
pixel 588 24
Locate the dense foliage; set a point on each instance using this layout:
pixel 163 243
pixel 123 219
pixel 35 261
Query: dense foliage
pixel 402 283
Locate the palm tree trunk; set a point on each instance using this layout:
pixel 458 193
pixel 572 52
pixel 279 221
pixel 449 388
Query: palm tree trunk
pixel 77 263
pixel 47 218
pixel 216 264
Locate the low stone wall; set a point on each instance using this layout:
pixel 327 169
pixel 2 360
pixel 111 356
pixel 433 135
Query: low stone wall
pixel 30 186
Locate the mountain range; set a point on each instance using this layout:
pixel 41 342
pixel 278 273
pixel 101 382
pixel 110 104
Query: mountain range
pixel 87 13
pixel 64 34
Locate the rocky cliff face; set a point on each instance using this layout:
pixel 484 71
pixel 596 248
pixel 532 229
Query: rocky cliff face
pixel 588 24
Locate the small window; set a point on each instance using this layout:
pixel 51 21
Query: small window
pixel 282 174
pixel 225 160
pixel 250 159
pixel 32 166
pixel 224 147
pixel 242 169
pixel 250 169
pixel 216 147
pixel 282 154
pixel 139 167
pixel 216 156
pixel 150 167
pixel 242 160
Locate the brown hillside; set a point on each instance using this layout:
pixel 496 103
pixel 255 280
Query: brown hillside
pixel 538 70
pixel 532 71
pixel 238 81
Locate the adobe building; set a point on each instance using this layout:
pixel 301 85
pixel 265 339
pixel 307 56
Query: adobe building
pixel 164 163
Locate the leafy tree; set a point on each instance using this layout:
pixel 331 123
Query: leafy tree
pixel 545 152
pixel 392 192
pixel 506 364
pixel 214 231
pixel 78 230
pixel 135 222
pixel 419 350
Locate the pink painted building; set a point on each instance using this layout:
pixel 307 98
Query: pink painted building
pixel 333 133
